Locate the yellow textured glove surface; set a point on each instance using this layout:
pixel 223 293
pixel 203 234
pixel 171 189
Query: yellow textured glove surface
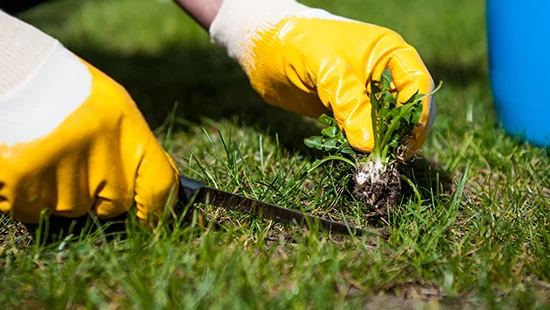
pixel 311 62
pixel 310 65
pixel 101 158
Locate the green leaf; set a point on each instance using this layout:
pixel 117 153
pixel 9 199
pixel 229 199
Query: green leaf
pixel 330 144
pixel 417 113
pixel 375 104
pixel 314 142
pixel 396 124
pixel 390 100
pixel 375 89
pixel 414 98
pixel 384 112
pixel 386 79
pixel 326 120
pixel 395 112
pixel 382 127
pixel 347 149
pixel 330 132
pixel 394 143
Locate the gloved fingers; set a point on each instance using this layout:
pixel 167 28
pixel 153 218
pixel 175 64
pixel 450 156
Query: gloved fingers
pixel 105 208
pixel 350 104
pixel 156 184
pixel 145 172
pixel 410 76
pixel 65 186
pixel 30 177
pixel 13 199
pixel 171 161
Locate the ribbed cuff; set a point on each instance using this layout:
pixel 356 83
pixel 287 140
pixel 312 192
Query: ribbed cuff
pixel 23 50
pixel 239 21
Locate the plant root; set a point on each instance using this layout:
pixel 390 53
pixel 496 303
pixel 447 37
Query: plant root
pixel 378 186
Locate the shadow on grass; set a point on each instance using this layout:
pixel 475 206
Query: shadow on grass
pixel 205 83
pixel 429 177
pixel 56 228
pixel 458 74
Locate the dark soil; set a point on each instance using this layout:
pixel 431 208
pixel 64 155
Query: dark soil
pixel 379 187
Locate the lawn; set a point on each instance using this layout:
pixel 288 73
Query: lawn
pixel 478 237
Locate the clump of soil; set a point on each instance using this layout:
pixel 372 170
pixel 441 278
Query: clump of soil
pixel 13 234
pixel 378 186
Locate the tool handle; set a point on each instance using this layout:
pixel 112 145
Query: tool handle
pixel 189 188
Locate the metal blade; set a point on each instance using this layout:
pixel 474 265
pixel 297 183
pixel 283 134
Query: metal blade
pixel 195 191
pixel 258 208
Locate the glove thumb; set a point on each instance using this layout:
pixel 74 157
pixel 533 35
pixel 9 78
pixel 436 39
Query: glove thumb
pixel 156 184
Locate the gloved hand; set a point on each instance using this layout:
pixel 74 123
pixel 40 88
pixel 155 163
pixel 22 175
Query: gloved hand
pixel 72 140
pixel 310 62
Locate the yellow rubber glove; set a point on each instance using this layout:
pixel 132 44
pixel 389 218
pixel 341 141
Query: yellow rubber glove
pixel 72 141
pixel 310 62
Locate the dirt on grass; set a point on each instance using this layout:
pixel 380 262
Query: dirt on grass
pixel 14 234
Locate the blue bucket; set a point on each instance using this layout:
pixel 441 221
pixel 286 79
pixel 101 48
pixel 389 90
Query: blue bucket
pixel 518 34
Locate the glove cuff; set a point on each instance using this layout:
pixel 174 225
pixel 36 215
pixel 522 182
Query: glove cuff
pixel 238 21
pixel 23 50
pixel 41 82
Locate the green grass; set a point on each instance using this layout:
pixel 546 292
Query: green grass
pixel 479 237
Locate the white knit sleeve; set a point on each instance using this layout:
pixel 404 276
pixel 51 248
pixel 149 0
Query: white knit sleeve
pixel 41 82
pixel 238 22
pixel 23 49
